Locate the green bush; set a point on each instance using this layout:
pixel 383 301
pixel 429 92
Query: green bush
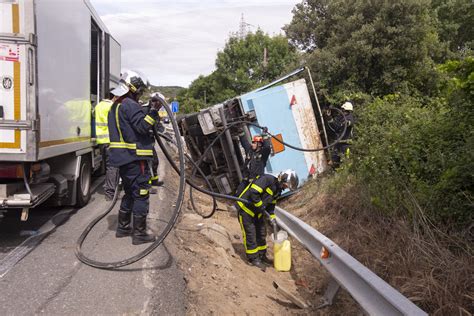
pixel 415 152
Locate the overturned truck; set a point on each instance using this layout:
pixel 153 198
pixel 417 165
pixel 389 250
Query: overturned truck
pixel 286 110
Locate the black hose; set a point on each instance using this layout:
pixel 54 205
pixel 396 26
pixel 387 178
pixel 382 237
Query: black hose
pixel 208 148
pixel 192 184
pixel 158 136
pixel 160 238
pixel 180 198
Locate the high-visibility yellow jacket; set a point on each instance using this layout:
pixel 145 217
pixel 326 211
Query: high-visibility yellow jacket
pixel 101 127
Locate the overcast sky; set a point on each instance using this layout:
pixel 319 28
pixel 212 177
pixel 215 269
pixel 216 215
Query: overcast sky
pixel 173 42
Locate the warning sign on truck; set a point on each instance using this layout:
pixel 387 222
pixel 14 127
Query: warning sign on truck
pixel 10 52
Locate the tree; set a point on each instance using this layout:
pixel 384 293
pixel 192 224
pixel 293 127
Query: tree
pixel 374 47
pixel 456 25
pixel 242 66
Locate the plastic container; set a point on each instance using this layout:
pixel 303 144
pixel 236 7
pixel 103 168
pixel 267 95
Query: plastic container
pixel 281 252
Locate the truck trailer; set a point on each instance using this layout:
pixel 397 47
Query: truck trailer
pixel 57 60
pixel 285 109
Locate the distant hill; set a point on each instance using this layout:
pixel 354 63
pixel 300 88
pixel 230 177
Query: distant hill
pixel 169 92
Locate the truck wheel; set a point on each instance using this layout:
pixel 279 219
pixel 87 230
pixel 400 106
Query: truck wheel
pixel 84 182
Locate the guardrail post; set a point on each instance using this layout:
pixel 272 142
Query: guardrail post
pixel 330 293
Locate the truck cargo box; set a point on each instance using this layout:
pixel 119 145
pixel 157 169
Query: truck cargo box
pixel 55 65
pixel 57 60
pixel 288 113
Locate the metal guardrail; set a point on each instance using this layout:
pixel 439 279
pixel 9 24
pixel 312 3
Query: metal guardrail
pixel 373 294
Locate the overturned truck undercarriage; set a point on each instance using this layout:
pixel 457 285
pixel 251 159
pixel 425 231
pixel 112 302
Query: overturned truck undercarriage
pixel 225 158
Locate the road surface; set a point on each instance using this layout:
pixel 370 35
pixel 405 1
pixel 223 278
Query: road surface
pixel 49 279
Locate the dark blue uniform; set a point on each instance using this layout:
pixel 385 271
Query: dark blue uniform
pixel 131 147
pixel 255 162
pixel 337 125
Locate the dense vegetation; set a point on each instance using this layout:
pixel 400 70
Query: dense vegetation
pixel 407 65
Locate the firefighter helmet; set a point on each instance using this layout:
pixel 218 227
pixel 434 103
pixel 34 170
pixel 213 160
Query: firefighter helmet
pixel 257 139
pixel 347 106
pixel 290 178
pixel 131 81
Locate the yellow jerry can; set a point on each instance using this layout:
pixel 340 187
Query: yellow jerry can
pixel 282 252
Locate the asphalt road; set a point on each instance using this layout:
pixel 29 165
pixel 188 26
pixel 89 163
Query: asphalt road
pixel 50 280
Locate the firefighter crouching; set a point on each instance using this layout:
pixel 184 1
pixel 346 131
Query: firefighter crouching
pixel 131 148
pixel 262 194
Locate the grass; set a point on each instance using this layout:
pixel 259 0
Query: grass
pixel 432 267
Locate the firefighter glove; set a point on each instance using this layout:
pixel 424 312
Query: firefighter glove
pixel 154 114
pixel 273 221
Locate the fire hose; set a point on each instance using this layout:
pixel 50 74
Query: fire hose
pixel 180 169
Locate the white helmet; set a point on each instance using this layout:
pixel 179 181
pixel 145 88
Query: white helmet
pixel 347 106
pixel 131 81
pixel 290 178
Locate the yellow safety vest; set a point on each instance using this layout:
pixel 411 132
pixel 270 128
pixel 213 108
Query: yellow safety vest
pixel 101 128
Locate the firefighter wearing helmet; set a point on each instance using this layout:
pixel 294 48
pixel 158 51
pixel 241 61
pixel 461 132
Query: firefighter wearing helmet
pixel 337 126
pixel 155 102
pixel 131 149
pixel 262 195
pixel 256 157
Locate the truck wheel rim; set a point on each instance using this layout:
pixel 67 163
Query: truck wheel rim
pixel 85 179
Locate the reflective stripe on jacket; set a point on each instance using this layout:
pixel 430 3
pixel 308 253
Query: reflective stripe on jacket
pixel 129 130
pixel 262 195
pixel 101 115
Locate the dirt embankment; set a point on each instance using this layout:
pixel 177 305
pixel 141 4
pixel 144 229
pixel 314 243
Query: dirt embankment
pixel 219 281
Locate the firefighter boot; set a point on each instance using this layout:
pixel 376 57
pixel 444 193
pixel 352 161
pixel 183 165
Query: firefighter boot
pixel 258 263
pixel 265 259
pixel 124 229
pixel 157 183
pixel 140 235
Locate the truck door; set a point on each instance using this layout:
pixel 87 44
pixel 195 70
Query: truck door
pixel 17 81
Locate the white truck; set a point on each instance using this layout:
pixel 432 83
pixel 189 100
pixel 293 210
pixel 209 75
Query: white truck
pixel 57 60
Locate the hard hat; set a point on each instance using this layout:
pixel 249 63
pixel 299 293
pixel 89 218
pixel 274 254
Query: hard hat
pixel 131 81
pixel 257 139
pixel 347 106
pixel 289 177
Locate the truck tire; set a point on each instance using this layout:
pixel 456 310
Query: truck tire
pixel 84 182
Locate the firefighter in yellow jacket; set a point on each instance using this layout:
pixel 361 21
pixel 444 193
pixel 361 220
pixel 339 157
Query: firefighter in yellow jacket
pixel 102 138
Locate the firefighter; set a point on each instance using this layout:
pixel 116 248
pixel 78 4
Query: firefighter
pixel 337 126
pixel 155 103
pixel 256 157
pixel 131 148
pixel 262 194
pixel 102 138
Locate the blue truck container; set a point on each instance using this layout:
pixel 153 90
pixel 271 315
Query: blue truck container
pixel 285 109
